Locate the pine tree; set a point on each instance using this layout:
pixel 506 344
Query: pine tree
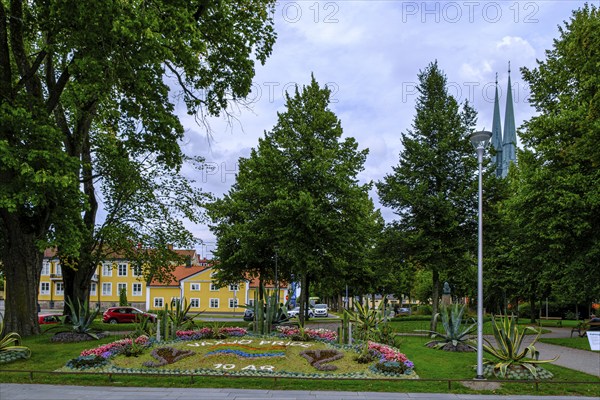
pixel 432 187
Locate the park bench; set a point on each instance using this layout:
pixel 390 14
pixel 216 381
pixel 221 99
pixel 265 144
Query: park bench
pixel 558 320
pixel 582 328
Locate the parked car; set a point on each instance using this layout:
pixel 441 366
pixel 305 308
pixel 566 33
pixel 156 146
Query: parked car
pixel 249 315
pixel 321 310
pixel 403 311
pixel 295 311
pixel 119 315
pixel 45 319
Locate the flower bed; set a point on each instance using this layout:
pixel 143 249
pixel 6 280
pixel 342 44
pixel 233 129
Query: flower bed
pixel 291 352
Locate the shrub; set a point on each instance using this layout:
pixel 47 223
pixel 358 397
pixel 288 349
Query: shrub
pixel 10 349
pixel 508 348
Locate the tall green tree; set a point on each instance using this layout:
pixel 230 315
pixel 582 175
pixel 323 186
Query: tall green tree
pixel 557 191
pixel 432 189
pixel 297 192
pixel 69 69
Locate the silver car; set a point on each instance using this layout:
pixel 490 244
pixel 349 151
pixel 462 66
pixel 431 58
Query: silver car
pixel 321 310
pixel 295 311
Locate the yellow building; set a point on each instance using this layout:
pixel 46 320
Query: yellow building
pixel 194 282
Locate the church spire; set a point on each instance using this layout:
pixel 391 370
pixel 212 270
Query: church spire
pixel 497 133
pixel 509 143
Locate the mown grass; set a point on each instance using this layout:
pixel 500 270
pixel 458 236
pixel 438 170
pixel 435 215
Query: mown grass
pixel 434 367
pixel 574 342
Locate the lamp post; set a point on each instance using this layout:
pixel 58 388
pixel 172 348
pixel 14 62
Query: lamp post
pixel 479 140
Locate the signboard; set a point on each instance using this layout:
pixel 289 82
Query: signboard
pixel 594 339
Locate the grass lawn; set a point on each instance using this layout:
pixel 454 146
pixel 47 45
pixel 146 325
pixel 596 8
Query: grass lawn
pixel 434 367
pixel 580 343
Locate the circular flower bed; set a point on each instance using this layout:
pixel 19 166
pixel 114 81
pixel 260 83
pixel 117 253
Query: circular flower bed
pixel 232 351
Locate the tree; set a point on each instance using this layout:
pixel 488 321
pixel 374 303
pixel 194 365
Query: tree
pixel 432 189
pixel 558 199
pixel 69 70
pixel 298 192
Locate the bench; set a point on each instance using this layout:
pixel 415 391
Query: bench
pixel 583 327
pixel 558 320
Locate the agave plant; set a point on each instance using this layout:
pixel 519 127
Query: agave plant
pixel 508 349
pixel 9 342
pixel 456 334
pixel 366 320
pixel 79 320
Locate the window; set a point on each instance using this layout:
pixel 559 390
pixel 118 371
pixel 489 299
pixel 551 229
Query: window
pixel 58 269
pixel 213 287
pixel 136 270
pixel 158 302
pixel 137 289
pixel 214 303
pixel 233 303
pixel 194 303
pixel 60 289
pixel 45 288
pixel 251 302
pixel 93 288
pixel 122 270
pixel 120 287
pixel 46 268
pixel 107 289
pixel 106 269
pixel 234 288
pixel 195 287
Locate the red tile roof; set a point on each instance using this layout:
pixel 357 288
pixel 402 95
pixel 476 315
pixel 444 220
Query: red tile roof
pixel 180 272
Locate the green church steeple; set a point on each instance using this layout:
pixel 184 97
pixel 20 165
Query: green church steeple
pixel 509 142
pixel 497 133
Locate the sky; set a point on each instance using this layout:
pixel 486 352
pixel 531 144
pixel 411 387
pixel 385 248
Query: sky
pixel 369 53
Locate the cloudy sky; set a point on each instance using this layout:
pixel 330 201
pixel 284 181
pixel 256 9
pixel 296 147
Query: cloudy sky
pixel 369 53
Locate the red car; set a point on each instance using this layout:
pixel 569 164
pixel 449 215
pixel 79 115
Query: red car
pixel 116 315
pixel 44 319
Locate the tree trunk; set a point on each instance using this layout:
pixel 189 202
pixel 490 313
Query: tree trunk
pixel 436 300
pixel 303 298
pixel 22 262
pixel 77 278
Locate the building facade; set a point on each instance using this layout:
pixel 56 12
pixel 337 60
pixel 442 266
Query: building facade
pixel 193 282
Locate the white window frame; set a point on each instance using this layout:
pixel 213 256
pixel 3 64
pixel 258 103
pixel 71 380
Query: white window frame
pixel 159 302
pixel 44 287
pixel 59 289
pixel 122 269
pixel 214 303
pixel 58 269
pixel 46 268
pixel 234 288
pixel 194 287
pixel 121 285
pixel 195 300
pixel 233 303
pixel 136 271
pixel 93 288
pixel 213 287
pixel 135 292
pixel 104 286
pixel 107 269
pixel 251 302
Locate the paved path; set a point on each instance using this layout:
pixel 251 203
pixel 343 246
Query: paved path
pixel 55 392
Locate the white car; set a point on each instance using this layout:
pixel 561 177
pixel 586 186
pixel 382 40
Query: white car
pixel 295 311
pixel 321 310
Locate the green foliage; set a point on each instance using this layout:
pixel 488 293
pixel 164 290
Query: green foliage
pixel 79 320
pixel 143 326
pixel 123 297
pixel 365 321
pixel 297 191
pixel 267 313
pixel 555 207
pixel 455 330
pixel 507 348
pixel 9 342
pixel 433 187
pixel 78 111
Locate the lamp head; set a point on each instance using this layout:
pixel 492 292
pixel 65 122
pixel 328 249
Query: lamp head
pixel 480 139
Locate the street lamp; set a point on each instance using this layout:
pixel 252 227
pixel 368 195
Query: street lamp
pixel 479 140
